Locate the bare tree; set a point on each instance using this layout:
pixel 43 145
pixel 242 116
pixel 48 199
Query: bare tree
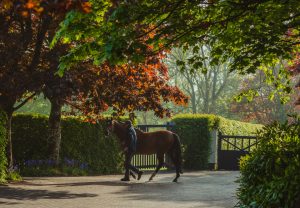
pixel 208 86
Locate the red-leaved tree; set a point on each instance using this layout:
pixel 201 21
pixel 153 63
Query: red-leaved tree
pixel 26 27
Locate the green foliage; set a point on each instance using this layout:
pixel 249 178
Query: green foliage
pixel 251 33
pixel 270 175
pixel 29 137
pixel 3 159
pixel 13 176
pixel 81 141
pixel 195 133
pixel 86 142
pixel 232 127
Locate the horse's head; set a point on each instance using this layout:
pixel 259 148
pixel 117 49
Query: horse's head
pixel 114 126
pixel 109 127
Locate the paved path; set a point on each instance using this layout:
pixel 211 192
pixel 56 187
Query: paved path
pixel 195 189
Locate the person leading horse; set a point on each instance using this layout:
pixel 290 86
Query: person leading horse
pixel 129 153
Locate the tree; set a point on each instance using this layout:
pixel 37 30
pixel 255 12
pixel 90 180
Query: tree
pixel 209 87
pixel 26 27
pixel 128 87
pixel 266 107
pixel 250 32
pixel 92 90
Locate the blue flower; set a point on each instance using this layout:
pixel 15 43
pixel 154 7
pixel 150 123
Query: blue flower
pixel 83 166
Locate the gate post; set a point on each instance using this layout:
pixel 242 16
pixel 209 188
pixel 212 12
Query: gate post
pixel 213 157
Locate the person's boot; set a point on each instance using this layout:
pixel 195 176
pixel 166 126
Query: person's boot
pixel 126 176
pixel 125 179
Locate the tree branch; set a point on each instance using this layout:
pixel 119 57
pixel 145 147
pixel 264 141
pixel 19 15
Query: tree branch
pixel 24 101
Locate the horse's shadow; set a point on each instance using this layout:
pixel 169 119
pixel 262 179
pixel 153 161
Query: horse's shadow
pixel 102 183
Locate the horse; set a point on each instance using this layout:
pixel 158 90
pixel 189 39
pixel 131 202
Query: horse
pixel 158 142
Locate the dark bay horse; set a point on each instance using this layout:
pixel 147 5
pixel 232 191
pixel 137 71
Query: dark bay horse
pixel 158 142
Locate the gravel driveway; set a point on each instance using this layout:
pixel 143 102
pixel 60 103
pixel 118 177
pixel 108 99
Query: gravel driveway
pixel 210 189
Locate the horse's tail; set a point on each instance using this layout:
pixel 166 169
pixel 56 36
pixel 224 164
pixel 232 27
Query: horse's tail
pixel 177 152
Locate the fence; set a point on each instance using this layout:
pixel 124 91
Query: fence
pixel 231 148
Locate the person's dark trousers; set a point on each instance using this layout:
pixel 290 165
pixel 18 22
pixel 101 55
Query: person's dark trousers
pixel 128 165
pixel 129 168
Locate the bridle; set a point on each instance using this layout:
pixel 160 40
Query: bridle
pixel 110 127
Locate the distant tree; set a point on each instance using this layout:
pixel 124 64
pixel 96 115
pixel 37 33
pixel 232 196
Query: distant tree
pixel 209 86
pixel 266 105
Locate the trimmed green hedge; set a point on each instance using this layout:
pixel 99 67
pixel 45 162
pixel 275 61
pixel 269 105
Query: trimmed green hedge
pixel 83 144
pixel 270 175
pixel 195 133
pixel 3 159
pixel 232 127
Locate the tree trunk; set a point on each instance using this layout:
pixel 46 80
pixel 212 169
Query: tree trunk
pixel 54 134
pixel 193 100
pixel 9 141
pixel 7 105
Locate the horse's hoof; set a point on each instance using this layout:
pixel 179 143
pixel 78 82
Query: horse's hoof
pixel 140 175
pixel 150 179
pixel 125 179
pixel 175 180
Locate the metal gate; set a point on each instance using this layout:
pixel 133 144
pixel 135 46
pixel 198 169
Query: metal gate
pixel 231 148
pixel 149 161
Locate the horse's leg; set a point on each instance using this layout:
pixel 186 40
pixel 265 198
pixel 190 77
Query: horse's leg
pixel 176 161
pixel 160 158
pixel 176 156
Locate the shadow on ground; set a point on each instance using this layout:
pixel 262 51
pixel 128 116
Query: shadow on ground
pixel 211 189
pixel 15 193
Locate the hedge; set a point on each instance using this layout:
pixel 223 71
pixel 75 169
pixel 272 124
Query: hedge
pixel 232 127
pixel 82 143
pixel 270 175
pixel 3 159
pixel 195 133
